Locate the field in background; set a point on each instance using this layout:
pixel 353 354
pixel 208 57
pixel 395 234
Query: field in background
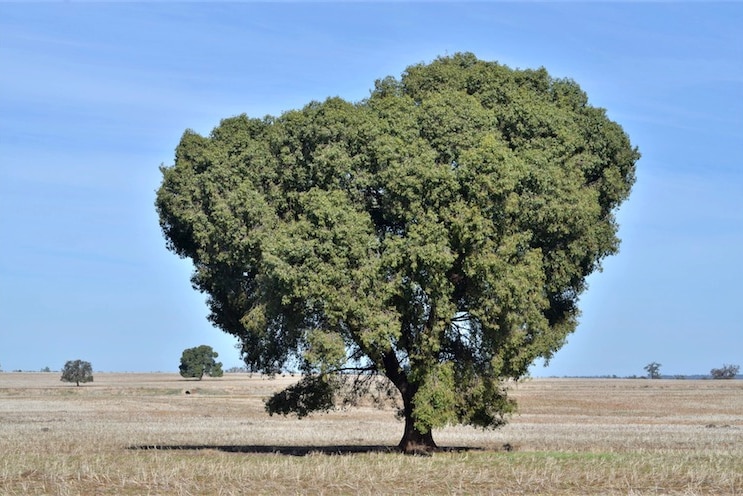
pixel 142 434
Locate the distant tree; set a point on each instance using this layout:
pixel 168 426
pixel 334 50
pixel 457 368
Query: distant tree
pixel 199 361
pixel 77 371
pixel 653 370
pixel 726 372
pixel 236 370
pixel 46 369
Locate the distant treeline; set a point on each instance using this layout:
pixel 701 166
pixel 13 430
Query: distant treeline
pixel 663 376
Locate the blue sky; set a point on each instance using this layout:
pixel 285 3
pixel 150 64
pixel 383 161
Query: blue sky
pixel 95 96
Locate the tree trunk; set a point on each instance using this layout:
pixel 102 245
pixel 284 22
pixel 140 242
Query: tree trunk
pixel 414 441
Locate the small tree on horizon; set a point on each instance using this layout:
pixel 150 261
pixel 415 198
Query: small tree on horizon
pixel 725 372
pixel 653 370
pixel 77 371
pixel 199 361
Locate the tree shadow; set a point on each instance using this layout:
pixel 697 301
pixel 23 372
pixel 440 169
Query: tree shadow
pixel 294 450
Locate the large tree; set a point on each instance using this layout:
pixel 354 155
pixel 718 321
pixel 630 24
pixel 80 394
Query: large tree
pixel 438 233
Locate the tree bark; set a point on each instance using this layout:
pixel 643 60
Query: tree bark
pixel 414 441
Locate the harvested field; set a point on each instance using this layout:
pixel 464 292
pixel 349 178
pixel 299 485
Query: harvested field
pixel 142 434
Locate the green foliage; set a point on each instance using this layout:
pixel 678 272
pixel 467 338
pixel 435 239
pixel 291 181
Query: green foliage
pixel 326 351
pixel 653 370
pixel 436 400
pixel 199 361
pixel 313 393
pixel 438 233
pixel 77 371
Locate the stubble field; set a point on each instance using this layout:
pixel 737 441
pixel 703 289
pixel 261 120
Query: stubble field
pixel 142 434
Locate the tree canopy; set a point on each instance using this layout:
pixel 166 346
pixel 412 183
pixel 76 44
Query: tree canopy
pixel 437 233
pixel 653 370
pixel 725 372
pixel 199 361
pixel 77 371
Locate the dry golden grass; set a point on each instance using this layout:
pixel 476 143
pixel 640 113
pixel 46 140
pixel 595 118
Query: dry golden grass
pixel 141 434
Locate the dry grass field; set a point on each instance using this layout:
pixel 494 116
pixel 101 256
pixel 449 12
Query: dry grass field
pixel 128 434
